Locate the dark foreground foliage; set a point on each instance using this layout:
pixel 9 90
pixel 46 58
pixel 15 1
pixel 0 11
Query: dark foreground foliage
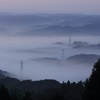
pixel 93 83
pixel 14 89
pixel 40 90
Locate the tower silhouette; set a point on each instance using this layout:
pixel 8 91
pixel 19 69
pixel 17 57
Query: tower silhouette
pixel 62 60
pixel 21 66
pixel 69 41
pixel 63 54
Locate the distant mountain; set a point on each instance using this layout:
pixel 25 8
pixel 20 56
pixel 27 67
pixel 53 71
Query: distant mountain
pixel 47 60
pixel 83 59
pixel 28 85
pixel 4 74
pixel 81 25
pixel 59 43
pixel 70 29
pixel 95 46
pixel 49 24
pixel 78 44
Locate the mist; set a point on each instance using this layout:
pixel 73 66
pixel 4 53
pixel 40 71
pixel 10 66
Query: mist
pixel 43 58
pixel 52 46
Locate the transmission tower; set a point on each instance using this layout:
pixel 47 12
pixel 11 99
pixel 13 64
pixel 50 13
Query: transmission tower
pixel 69 41
pixel 21 66
pixel 63 54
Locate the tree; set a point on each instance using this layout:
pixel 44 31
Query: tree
pixel 27 96
pixel 4 95
pixel 93 83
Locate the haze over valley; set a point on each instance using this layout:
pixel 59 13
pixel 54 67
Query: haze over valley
pixel 51 46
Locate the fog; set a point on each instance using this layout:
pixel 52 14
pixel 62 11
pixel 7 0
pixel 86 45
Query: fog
pixel 45 44
pixel 30 49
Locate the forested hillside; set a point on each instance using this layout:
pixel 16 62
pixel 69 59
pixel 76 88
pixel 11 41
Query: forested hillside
pixel 14 89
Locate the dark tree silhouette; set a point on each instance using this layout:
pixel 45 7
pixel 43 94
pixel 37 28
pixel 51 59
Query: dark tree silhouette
pixel 4 95
pixel 93 83
pixel 27 96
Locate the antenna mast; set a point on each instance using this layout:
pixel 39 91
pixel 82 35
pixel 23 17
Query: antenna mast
pixel 21 66
pixel 63 53
pixel 69 41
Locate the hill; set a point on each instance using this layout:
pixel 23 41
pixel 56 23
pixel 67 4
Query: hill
pixel 49 24
pixel 4 74
pixel 83 59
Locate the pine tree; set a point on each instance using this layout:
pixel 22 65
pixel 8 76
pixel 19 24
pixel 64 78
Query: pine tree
pixel 93 83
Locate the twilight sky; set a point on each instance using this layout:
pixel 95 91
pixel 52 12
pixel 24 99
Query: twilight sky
pixel 51 6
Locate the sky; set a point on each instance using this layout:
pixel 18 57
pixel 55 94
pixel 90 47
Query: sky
pixel 51 6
